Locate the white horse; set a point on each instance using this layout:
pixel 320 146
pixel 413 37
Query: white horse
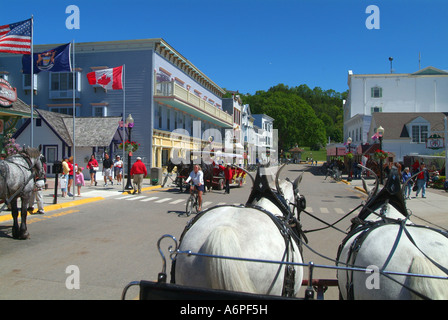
pixel 384 239
pixel 258 230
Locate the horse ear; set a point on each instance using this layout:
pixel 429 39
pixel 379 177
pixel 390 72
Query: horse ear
pixel 297 182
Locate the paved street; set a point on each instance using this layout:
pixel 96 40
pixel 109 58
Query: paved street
pixel 111 236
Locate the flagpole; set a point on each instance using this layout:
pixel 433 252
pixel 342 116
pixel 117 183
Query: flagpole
pixel 74 113
pixel 32 82
pixel 124 120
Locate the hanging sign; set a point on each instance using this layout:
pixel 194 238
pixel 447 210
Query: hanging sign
pixel 434 142
pixel 8 94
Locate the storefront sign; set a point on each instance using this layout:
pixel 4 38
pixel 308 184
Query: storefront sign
pixel 434 142
pixel 8 94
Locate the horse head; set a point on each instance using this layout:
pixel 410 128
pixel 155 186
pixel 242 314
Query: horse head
pixel 290 190
pixel 35 158
pixel 285 196
pixel 389 199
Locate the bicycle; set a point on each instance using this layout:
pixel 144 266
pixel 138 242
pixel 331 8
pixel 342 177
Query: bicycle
pixel 192 202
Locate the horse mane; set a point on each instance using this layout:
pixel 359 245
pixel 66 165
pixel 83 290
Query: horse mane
pixel 31 152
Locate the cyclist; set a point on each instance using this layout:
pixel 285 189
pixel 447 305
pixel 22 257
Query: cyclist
pixel 197 177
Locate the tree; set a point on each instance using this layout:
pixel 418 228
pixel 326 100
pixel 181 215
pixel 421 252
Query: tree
pixel 302 115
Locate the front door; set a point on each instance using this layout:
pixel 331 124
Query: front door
pixel 51 153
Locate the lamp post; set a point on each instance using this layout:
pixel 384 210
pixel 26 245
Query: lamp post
pixel 349 142
pixel 130 125
pixel 380 132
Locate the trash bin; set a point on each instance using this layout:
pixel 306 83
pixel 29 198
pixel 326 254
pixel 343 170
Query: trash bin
pixel 156 174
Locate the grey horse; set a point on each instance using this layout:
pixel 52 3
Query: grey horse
pixel 17 175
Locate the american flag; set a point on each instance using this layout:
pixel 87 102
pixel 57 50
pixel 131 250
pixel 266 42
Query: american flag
pixel 16 37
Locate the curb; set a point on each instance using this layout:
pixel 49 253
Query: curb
pixel 68 204
pixel 53 207
pixel 361 189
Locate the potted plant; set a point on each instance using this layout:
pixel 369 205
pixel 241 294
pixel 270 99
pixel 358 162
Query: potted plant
pixel 129 146
pixel 380 154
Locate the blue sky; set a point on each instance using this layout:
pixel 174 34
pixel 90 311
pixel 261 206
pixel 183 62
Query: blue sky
pixel 251 45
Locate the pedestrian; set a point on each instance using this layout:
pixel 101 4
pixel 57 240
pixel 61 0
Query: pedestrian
pixel 228 174
pixel 39 185
pixel 70 176
pixel 406 175
pixel 118 167
pixel 64 176
pixel 138 172
pixel 422 179
pixel 79 179
pixel 107 169
pixel 93 166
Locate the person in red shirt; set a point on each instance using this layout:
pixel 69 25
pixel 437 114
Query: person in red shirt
pixel 228 174
pixel 138 172
pixel 70 176
pixel 92 165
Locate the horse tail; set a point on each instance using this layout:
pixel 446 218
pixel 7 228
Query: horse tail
pixel 435 289
pixel 226 274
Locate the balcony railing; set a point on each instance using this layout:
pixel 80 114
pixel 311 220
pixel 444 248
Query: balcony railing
pixel 172 89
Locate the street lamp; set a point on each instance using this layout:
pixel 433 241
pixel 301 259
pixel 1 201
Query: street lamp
pixel 380 132
pixel 130 125
pixel 349 142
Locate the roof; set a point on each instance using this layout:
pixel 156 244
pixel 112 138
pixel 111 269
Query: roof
pixel 394 123
pixel 93 131
pixel 295 149
pixel 18 108
pixel 89 131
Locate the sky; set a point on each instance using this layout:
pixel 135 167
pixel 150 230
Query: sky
pixel 252 45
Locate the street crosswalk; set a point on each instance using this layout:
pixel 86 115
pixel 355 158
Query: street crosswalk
pixel 209 204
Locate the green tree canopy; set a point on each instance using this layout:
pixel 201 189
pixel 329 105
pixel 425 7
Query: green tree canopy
pixel 302 116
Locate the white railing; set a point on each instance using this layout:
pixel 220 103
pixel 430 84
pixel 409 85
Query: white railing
pixel 172 89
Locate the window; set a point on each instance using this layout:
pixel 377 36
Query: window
pixel 160 117
pixel 419 133
pixel 376 92
pixel 61 85
pixel 99 111
pixel 376 109
pixel 168 116
pixel 26 80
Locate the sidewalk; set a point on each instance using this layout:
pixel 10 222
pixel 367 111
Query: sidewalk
pixel 431 211
pixel 88 194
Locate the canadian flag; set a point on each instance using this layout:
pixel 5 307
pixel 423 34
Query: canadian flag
pixel 107 78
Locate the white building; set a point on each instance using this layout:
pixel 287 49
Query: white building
pixel 265 139
pixel 423 91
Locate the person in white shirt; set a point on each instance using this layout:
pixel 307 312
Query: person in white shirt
pixel 197 177
pixel 118 164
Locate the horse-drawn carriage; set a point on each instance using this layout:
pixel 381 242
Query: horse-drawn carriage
pixel 255 251
pixel 214 171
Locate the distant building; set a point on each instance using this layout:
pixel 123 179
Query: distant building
pixel 407 133
pixel 423 91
